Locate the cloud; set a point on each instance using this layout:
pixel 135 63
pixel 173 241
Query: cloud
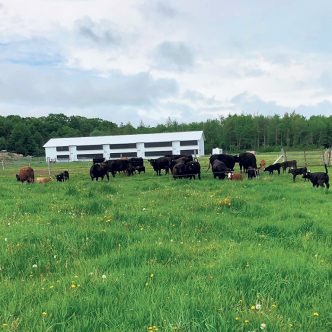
pixel 70 88
pixel 101 34
pixel 158 10
pixel 175 56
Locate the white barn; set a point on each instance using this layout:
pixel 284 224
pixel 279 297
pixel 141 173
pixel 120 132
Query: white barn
pixel 147 146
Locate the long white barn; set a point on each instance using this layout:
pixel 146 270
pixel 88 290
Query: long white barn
pixel 147 146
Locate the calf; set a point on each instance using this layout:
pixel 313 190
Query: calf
pixel 43 180
pixel 61 177
pixel 318 178
pixel 235 176
pixel 274 167
pixel 297 171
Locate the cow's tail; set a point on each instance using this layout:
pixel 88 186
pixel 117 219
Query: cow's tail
pixel 326 171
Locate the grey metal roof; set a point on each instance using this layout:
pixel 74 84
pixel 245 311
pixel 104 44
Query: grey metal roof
pixel 119 139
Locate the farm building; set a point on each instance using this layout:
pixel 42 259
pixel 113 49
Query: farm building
pixel 147 146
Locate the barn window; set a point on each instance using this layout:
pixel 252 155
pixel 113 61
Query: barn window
pixel 157 144
pixel 123 154
pixel 63 157
pixel 89 147
pixel 186 143
pixel 123 146
pixel 62 148
pixel 90 156
pixel 187 152
pixel 157 153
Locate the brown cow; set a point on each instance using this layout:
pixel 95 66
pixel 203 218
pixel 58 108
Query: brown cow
pixel 262 164
pixel 26 174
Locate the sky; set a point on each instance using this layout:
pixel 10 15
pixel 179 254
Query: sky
pixel 150 61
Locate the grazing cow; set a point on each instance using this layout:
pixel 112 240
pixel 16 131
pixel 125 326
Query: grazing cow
pixel 273 167
pixel 117 165
pixel 161 163
pixel 43 180
pixel 140 169
pixel 187 170
pixel 228 160
pixel 318 178
pixel 252 172
pixel 246 160
pixel 289 163
pixel 219 169
pixel 182 160
pixel 25 174
pixel 235 176
pixel 61 177
pixel 99 171
pixel 297 171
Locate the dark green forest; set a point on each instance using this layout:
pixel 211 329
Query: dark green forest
pixel 233 133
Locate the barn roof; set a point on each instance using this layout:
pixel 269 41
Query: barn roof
pixel 119 139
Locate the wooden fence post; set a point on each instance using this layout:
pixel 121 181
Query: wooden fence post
pixel 49 166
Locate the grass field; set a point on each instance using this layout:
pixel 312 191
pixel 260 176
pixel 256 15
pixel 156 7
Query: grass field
pixel 149 253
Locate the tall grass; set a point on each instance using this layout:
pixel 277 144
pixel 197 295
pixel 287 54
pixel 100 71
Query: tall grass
pixel 148 253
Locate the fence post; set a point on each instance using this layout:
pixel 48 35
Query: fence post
pixel 283 152
pixel 49 166
pixel 3 165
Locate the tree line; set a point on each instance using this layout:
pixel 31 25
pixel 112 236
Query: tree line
pixel 233 133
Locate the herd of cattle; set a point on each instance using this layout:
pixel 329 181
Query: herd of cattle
pixel 183 166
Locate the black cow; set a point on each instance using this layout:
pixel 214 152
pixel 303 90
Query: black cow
pixel 161 163
pixel 61 177
pixel 66 175
pixel 246 160
pixel 318 178
pixel 187 170
pixel 136 161
pixel 297 171
pixel 140 169
pixel 219 169
pixel 98 160
pixel 117 165
pixel 272 168
pixel 252 172
pixel 228 160
pixel 99 171
pixel 289 163
pixel 183 159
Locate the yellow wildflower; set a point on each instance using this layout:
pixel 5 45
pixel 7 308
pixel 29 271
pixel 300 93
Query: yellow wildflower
pixel 315 314
pixel 252 307
pixel 72 286
pixel 246 321
pixel 44 314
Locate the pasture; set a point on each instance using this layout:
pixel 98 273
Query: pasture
pixel 149 253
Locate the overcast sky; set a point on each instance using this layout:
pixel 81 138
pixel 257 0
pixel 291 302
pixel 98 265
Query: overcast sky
pixel 190 60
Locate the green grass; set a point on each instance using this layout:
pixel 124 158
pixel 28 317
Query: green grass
pixel 150 252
